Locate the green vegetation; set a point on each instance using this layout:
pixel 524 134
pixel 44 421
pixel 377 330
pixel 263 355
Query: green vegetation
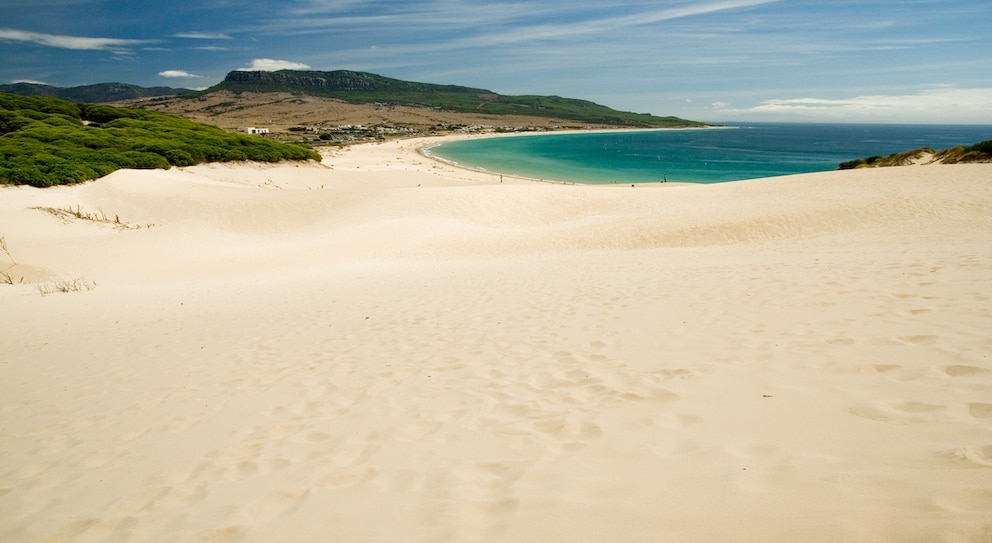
pixel 366 88
pixel 46 141
pixel 979 152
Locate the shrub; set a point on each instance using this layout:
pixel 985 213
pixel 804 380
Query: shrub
pixel 982 147
pixel 43 141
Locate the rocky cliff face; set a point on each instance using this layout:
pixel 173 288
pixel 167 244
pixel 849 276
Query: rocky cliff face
pixel 327 81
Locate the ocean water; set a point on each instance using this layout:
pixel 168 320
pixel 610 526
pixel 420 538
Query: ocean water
pixel 734 153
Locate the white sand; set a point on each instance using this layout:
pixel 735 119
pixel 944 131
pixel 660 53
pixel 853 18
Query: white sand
pixel 338 354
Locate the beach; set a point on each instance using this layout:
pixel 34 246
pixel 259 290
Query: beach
pixel 383 347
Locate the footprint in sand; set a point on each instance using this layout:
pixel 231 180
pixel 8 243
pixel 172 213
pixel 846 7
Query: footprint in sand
pixel 137 503
pixel 240 471
pixel 316 436
pixel 485 498
pixel 961 370
pixel 183 422
pixel 227 534
pixel 244 451
pixel 676 421
pixel 286 429
pixel 980 410
pixel 274 505
pixel 969 456
pixel 919 340
pixel 353 452
pixel 349 477
pixel 185 472
pixel 872 369
pixel 917 407
pixel 250 468
pixel 183 496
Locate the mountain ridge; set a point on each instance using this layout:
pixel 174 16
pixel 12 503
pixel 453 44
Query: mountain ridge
pixel 97 93
pixel 367 88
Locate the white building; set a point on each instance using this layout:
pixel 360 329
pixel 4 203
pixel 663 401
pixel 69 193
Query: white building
pixel 253 130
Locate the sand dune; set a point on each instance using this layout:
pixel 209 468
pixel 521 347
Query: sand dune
pixel 385 348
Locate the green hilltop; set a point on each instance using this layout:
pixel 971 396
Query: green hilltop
pixel 46 141
pixel 367 88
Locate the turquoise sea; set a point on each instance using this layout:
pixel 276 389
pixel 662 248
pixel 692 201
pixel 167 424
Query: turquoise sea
pixel 735 152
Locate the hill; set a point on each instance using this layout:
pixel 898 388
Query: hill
pixel 94 94
pixel 366 88
pixel 979 152
pixel 46 141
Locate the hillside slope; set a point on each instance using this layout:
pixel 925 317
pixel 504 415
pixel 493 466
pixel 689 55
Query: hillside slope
pixel 366 88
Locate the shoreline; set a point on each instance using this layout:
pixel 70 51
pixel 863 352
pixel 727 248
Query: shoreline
pixel 738 155
pixel 383 347
pixel 425 150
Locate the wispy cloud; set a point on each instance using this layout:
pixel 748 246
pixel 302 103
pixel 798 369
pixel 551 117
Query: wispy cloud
pixel 202 36
pixel 68 42
pixel 508 23
pixel 941 104
pixel 584 29
pixel 689 10
pixel 271 65
pixel 178 74
pixel 29 81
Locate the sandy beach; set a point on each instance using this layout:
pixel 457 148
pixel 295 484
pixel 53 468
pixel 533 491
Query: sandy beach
pixel 382 347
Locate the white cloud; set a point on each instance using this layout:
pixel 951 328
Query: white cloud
pixel 937 105
pixel 203 36
pixel 29 81
pixel 932 105
pixel 720 105
pixel 271 65
pixel 177 73
pixel 67 42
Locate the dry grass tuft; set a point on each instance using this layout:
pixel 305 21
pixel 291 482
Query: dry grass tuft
pixel 67 214
pixel 5 277
pixel 66 285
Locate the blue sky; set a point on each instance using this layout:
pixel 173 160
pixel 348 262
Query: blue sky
pixel 913 61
